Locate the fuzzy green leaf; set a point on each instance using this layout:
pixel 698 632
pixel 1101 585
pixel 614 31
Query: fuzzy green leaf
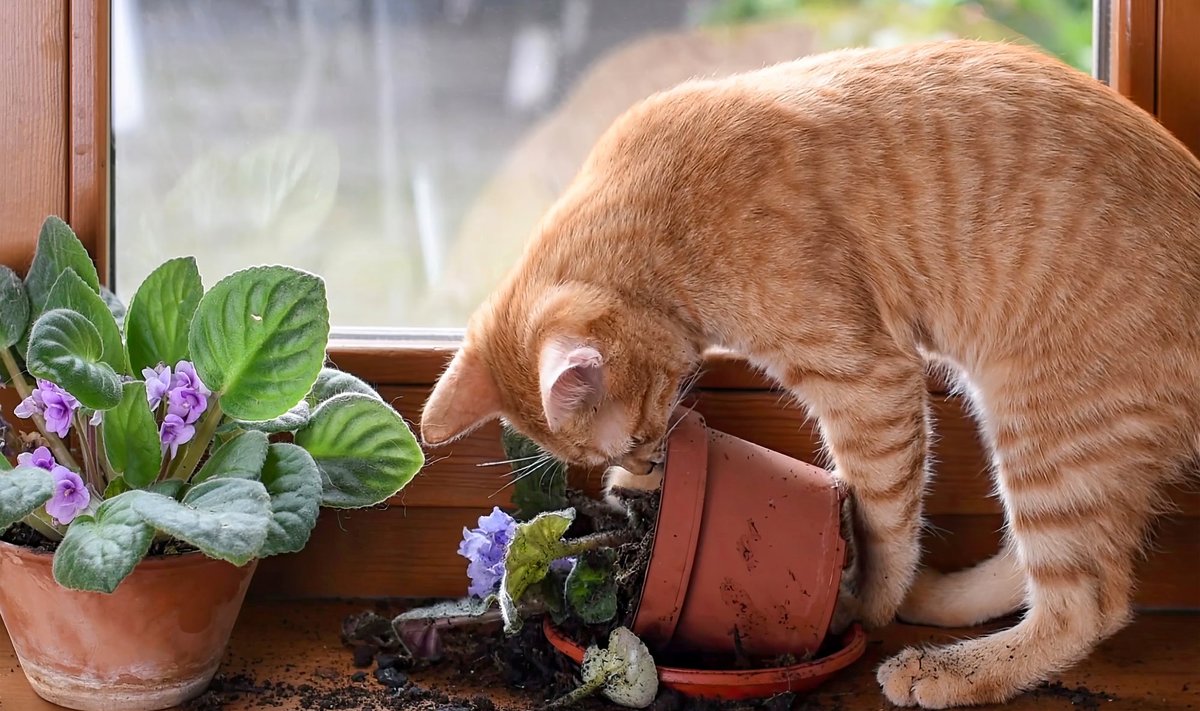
pixel 292 480
pixel 545 487
pixel 58 249
pixel 364 449
pixel 167 487
pixel 14 308
pixel 332 382
pixel 160 314
pixel 240 458
pixel 65 348
pixel 115 306
pixel 116 487
pixel 100 551
pixel 131 437
pixel 535 545
pixel 70 292
pixel 22 491
pixel 289 421
pixel 226 519
pixel 258 339
pixel 591 588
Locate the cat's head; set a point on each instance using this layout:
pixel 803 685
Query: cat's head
pixel 588 374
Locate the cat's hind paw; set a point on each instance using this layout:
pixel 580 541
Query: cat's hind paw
pixel 939 678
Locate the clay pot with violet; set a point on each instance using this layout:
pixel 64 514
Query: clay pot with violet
pixel 746 563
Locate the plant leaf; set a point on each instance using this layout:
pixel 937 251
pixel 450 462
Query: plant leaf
pixel 167 487
pixel 289 421
pixel 58 249
pixel 591 588
pixel 627 667
pixel 535 545
pixel 240 458
pixel 115 306
pixel 22 491
pixel 161 314
pixel 225 518
pixel 116 487
pixel 332 382
pixel 131 438
pixel 100 551
pixel 546 489
pixel 66 349
pixel 14 308
pixel 69 292
pixel 292 480
pixel 258 338
pixel 364 449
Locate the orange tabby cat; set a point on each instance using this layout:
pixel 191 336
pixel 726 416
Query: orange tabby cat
pixel 841 221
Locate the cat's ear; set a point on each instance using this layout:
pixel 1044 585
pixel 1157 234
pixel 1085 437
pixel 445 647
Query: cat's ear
pixel 571 377
pixel 464 398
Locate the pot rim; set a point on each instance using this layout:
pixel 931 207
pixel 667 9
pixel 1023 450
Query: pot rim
pixel 150 562
pixel 853 644
pixel 656 621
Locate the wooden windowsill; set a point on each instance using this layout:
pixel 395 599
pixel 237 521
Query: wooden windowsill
pixel 1149 665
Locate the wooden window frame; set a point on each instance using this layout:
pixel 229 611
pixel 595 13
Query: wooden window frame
pixel 55 139
pixel 63 163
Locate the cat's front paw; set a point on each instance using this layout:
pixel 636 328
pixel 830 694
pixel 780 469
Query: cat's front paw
pixel 616 477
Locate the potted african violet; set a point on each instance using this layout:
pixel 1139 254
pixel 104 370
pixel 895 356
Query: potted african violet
pixel 721 585
pixel 173 446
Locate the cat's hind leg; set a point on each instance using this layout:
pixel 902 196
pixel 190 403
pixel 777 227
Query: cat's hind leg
pixel 991 589
pixel 1079 493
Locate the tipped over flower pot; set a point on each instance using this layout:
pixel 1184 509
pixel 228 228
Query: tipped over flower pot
pixel 722 585
pixel 748 553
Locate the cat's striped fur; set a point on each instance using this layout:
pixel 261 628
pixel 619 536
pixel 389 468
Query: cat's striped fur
pixel 842 221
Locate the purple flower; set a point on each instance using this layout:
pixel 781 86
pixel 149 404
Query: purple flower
pixel 186 377
pixel 187 403
pixel 158 382
pixel 53 403
pixel 484 547
pixel 188 397
pixel 40 457
pixel 563 565
pixel 174 432
pixel 70 496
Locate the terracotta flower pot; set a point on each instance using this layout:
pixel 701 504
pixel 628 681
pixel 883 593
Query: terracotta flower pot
pixel 748 548
pixel 154 643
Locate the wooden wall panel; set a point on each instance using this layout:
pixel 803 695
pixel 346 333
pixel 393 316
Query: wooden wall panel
pixel 33 134
pixel 962 484
pixel 411 552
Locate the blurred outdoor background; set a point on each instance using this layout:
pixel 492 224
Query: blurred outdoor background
pixel 405 149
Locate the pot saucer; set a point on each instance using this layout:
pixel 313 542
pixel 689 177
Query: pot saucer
pixel 742 683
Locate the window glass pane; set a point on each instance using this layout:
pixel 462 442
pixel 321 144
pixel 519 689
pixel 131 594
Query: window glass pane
pixel 404 149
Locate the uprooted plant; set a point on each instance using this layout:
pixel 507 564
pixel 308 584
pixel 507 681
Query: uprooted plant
pixel 558 556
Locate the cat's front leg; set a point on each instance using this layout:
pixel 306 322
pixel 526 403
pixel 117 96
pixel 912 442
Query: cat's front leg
pixel 875 425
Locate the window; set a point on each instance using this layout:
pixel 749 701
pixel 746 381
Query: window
pixel 405 149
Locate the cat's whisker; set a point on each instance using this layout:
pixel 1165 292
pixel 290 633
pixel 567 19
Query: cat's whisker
pixel 531 470
pixel 510 461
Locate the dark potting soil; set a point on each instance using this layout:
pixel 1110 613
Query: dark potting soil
pixel 1080 696
pixel 22 535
